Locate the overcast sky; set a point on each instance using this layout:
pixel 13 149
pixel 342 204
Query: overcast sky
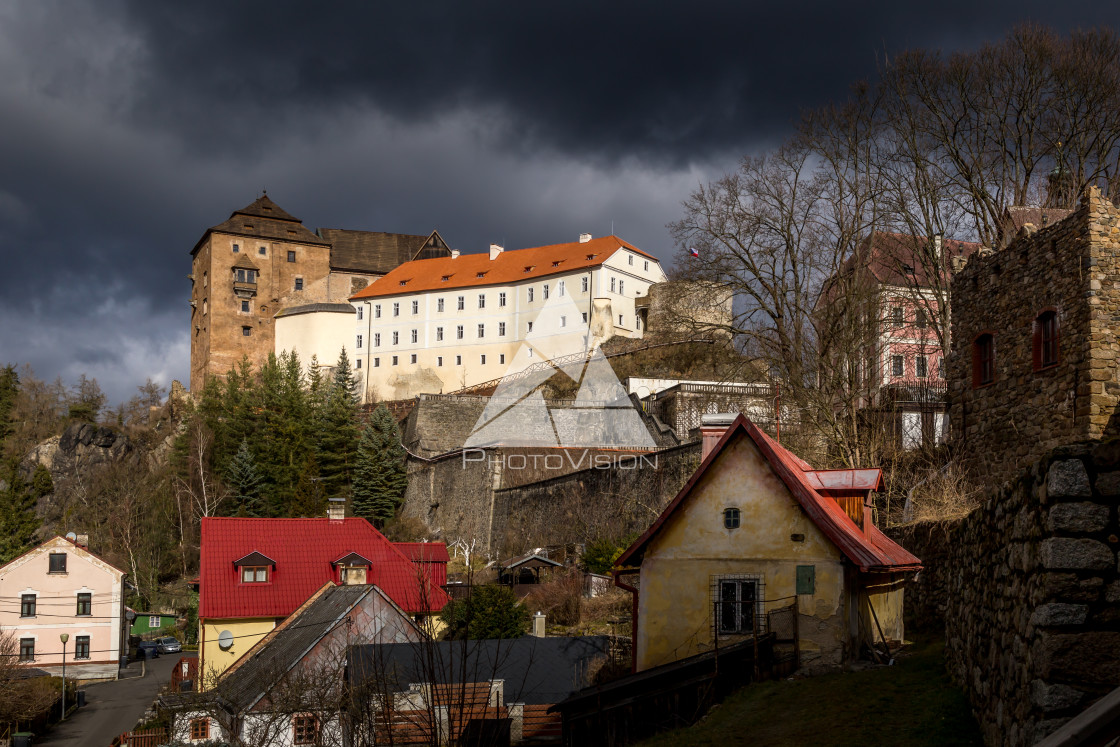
pixel 130 127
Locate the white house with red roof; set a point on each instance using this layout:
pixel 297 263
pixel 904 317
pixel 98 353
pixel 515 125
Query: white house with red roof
pixel 61 588
pixel 445 323
pixel 757 529
pixel 255 572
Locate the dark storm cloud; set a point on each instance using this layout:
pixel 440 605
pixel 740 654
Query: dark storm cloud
pixel 131 126
pixel 660 80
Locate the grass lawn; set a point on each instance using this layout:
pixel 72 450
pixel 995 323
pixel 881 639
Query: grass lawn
pixel 911 703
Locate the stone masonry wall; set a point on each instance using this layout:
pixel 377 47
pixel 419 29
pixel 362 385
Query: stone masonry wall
pixel 1030 589
pixel 487 496
pixel 1072 267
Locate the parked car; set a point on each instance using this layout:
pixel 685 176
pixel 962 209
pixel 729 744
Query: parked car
pixel 169 645
pixel 148 649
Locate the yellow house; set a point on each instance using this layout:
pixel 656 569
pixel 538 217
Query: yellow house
pixel 756 529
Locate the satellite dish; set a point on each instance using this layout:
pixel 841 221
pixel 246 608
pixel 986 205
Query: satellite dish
pixel 71 536
pixel 225 640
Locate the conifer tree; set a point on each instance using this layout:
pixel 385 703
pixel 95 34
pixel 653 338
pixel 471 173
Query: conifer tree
pixel 244 482
pixel 18 518
pixel 9 390
pixel 308 499
pixel 380 476
pixel 338 436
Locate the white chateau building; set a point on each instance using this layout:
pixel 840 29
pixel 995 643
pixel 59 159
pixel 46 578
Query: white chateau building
pixel 438 325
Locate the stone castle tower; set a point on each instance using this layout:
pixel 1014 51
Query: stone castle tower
pixel 262 260
pixel 1036 341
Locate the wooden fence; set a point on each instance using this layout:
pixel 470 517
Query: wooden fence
pixel 142 738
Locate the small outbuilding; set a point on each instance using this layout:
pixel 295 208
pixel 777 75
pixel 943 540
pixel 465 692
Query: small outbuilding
pixel 757 529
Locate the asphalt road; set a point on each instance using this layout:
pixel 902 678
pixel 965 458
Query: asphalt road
pixel 112 707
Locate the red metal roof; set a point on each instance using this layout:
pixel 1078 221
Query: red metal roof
pixel 872 552
pixel 430 552
pixel 303 550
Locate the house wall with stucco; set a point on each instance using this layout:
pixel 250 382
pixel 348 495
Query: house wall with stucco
pixel 56 608
pixel 693 552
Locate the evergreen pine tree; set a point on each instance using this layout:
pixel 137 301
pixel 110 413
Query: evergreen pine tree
pixel 244 481
pixel 338 435
pixel 308 499
pixel 18 519
pixel 380 476
pixel 9 390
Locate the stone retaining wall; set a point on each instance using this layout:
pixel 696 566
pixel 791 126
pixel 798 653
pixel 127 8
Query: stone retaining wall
pixel 1030 589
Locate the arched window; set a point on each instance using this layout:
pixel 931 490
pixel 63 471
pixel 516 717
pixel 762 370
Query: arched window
pixel 1046 339
pixel 983 360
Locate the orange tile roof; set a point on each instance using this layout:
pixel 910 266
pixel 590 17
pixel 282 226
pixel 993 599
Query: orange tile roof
pixel 511 266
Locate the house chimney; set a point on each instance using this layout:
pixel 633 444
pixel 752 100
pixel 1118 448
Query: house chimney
pixel 937 242
pixel 454 254
pixel 82 541
pixel 584 238
pixel 712 428
pixel 336 509
pixel 538 625
pixel 495 250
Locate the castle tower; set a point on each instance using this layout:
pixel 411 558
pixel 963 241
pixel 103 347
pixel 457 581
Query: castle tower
pixel 241 270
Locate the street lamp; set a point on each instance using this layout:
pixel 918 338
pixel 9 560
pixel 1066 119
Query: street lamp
pixel 64 637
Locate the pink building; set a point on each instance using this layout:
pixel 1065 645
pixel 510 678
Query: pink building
pixel 60 587
pixel 909 278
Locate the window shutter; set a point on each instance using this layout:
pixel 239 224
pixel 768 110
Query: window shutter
pixel 806 579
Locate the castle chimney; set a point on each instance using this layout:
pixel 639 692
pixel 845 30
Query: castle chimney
pixel 712 428
pixel 584 238
pixel 454 254
pixel 495 250
pixel 336 509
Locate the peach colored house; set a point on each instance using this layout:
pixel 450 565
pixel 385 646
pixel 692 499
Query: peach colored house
pixel 61 587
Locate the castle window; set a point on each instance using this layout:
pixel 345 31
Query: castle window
pixel 482 359
pixel 246 331
pixel 377 363
pixel 415 335
pixel 412 358
pixel 299 284
pixel 396 338
pixel 583 285
pixel 359 313
pixel 395 360
pixel 358 363
pixel 359 344
pixel 560 289
pixel 439 334
pixel 630 259
pixel 546 291
pixel 502 299
pixel 396 308
pixel 461 302
pixel 415 307
pixel 501 329
pixel 439 361
pixel 896 366
pixel 291 256
pixel 563 321
pixel 502 358
pixel 530 295
pixel 1045 339
pixel 377 311
pixel 612 285
pixel 458 360
pixel 459 332
pixel 921 366
pixel 585 317
pixel 896 316
pixel 377 339
pixel 482 330
pixel 439 304
pixel 530 327
pixel 262 251
pixel 645 265
pixel 245 306
pixel 920 318
pixel 983 360
pixel 482 300
pixel 621 283
pixel 236 248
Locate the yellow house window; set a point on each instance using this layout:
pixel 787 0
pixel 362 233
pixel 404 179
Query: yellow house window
pixel 731 518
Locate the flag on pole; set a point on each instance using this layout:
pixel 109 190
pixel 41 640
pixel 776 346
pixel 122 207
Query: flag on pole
pixel 693 252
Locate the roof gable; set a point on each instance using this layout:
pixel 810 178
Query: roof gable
pixel 871 552
pixel 377 252
pixel 61 543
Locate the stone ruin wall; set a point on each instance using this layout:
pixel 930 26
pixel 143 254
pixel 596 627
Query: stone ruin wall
pixel 1029 591
pixel 1072 266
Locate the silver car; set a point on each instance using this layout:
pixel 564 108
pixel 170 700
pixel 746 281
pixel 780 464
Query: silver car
pixel 169 645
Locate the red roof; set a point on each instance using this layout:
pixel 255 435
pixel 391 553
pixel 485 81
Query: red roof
pixel 303 550
pixel 871 552
pixel 515 265
pixel 426 552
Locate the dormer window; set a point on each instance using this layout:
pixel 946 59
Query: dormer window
pixel 590 257
pixel 404 282
pixel 481 275
pixel 445 278
pixel 529 268
pixel 255 568
pixel 353 569
pixel 254 574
